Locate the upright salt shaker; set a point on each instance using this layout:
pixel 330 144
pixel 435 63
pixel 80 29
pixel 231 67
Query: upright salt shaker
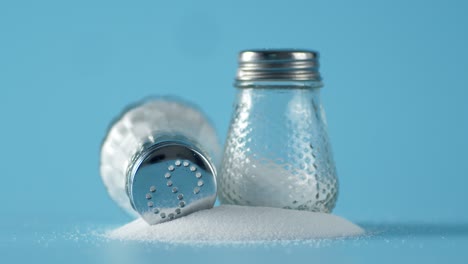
pixel 277 151
pixel 158 160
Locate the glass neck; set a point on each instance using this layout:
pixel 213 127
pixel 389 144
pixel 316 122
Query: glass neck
pixel 278 84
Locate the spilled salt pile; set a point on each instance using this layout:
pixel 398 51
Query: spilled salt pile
pixel 230 223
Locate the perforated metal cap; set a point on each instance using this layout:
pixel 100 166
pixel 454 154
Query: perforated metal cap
pixel 170 180
pixel 284 64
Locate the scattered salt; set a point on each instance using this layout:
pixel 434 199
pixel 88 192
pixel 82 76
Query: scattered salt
pixel 230 224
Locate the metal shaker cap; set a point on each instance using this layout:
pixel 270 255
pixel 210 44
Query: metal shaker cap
pixel 169 180
pixel 281 64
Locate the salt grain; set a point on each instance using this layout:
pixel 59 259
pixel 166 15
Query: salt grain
pixel 230 224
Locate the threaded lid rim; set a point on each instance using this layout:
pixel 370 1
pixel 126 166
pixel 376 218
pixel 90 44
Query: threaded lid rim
pixel 279 64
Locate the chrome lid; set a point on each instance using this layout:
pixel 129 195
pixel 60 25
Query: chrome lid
pixel 282 64
pixel 170 180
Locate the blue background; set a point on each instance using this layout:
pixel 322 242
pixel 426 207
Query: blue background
pixel 395 73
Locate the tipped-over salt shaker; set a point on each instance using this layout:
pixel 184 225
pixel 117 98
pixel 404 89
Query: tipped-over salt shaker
pixel 277 151
pixel 158 159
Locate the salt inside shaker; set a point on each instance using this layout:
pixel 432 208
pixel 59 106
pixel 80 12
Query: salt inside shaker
pixel 158 159
pixel 277 152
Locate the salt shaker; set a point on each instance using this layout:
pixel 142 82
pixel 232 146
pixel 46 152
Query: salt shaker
pixel 159 160
pixel 277 151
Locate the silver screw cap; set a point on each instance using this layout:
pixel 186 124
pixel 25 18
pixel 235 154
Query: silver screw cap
pixel 281 64
pixel 170 180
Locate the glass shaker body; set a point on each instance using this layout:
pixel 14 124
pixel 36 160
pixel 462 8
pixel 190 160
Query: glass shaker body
pixel 277 151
